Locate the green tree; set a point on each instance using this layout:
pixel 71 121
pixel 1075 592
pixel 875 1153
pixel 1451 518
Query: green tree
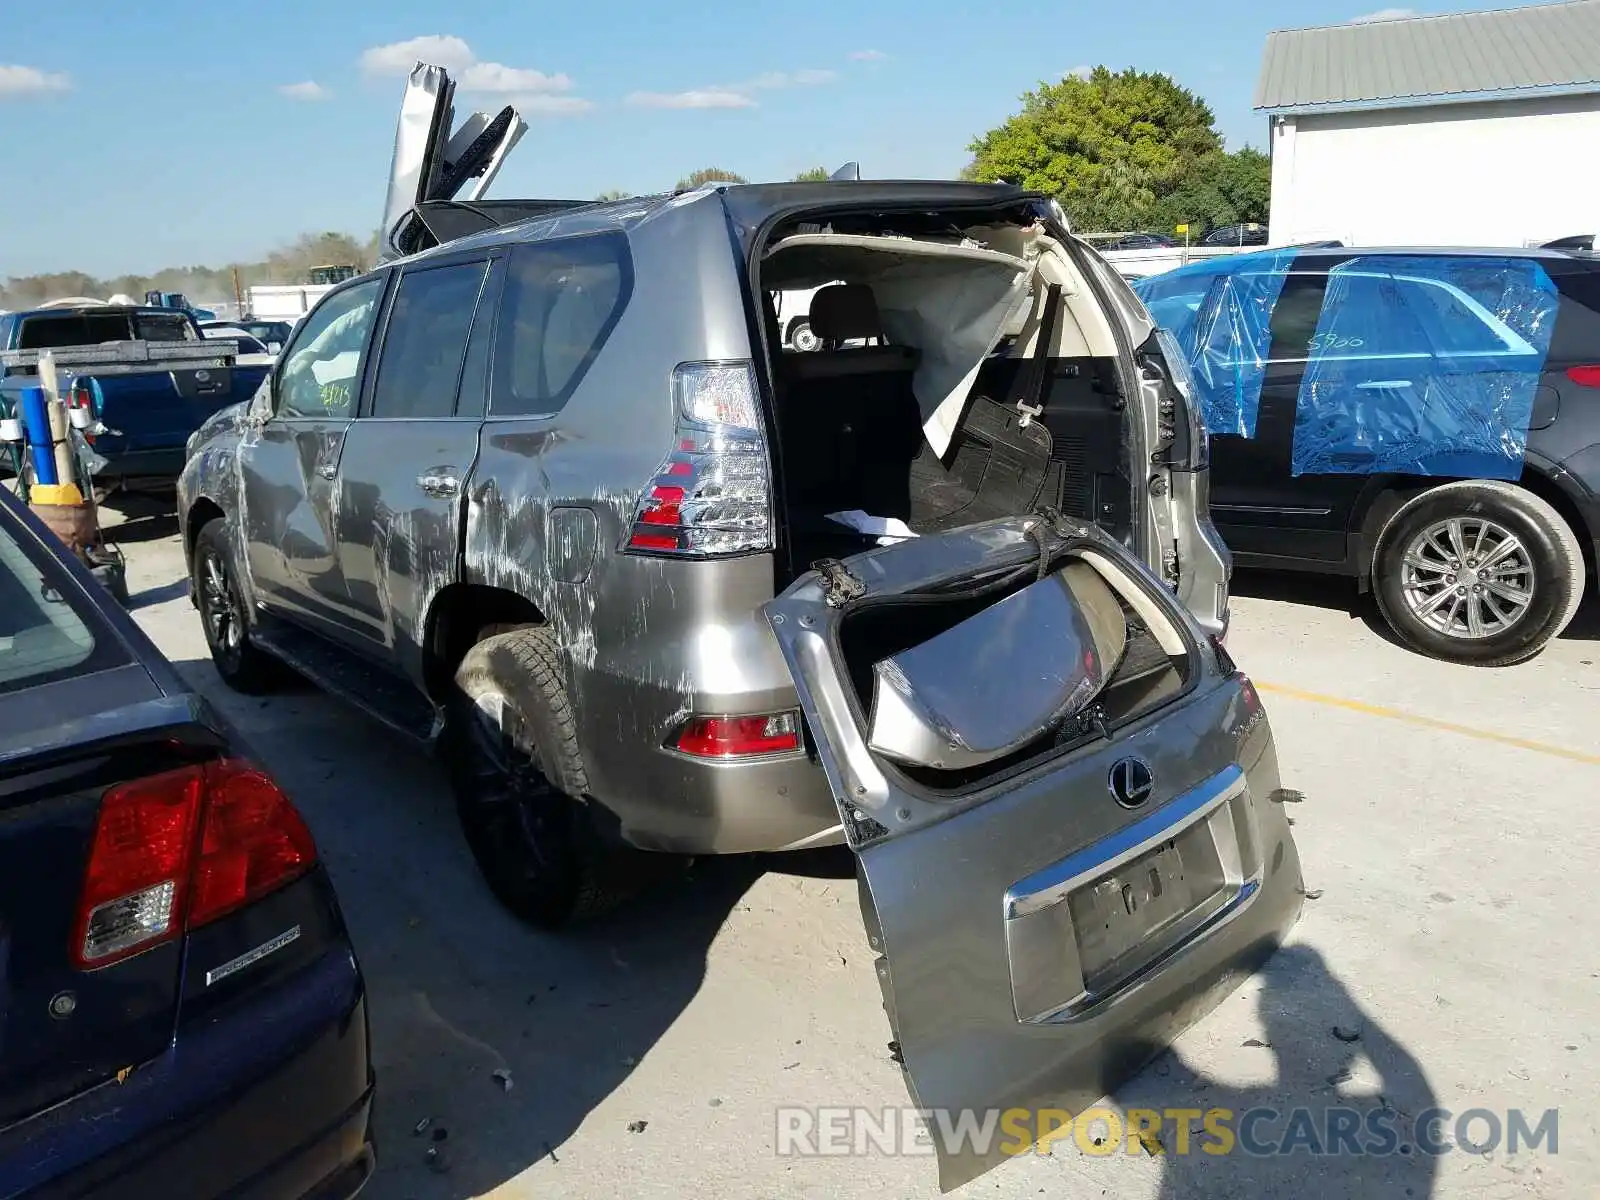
pixel 1220 189
pixel 709 175
pixel 1111 147
pixel 813 175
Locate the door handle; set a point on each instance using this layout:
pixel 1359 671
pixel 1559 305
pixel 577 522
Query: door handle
pixel 439 483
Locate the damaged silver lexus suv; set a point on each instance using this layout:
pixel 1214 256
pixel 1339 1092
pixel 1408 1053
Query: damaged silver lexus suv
pixel 547 489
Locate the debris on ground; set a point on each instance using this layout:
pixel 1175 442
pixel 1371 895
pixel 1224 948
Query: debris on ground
pixel 1151 1143
pixel 1311 894
pixel 637 1126
pixel 715 1102
pixel 1346 1034
pixel 1256 1044
pixel 1287 796
pixel 503 1078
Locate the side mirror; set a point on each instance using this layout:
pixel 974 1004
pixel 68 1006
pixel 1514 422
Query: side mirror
pixel 274 347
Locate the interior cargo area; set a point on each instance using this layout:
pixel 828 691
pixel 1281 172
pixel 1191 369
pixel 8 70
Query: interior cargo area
pixel 964 373
pixel 1054 687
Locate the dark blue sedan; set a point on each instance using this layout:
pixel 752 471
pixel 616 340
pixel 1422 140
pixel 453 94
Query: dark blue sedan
pixel 181 1011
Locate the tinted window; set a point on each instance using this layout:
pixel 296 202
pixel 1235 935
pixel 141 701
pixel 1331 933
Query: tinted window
pixel 74 329
pixel 322 370
pixel 163 327
pixel 562 300
pixel 41 635
pixel 1577 334
pixel 426 340
pixel 1294 318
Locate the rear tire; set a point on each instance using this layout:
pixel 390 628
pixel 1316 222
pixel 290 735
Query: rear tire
pixel 1478 572
pixel 802 337
pixel 244 667
pixel 511 744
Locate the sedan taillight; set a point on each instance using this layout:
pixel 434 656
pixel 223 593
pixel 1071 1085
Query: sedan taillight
pixel 178 850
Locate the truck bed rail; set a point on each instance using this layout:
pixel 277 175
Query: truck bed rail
pixel 127 358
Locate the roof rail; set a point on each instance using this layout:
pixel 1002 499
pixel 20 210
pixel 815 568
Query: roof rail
pixel 440 221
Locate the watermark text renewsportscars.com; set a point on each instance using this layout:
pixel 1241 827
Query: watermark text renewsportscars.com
pixel 1261 1131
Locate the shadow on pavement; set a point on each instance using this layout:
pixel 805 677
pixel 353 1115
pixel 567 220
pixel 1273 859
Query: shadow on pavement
pixel 1336 593
pixel 464 1000
pixel 136 517
pixel 1314 1081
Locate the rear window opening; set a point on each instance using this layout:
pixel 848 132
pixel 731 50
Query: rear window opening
pixel 57 331
pixel 1048 680
pixel 927 334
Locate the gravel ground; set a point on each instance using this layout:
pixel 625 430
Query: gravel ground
pixel 1448 825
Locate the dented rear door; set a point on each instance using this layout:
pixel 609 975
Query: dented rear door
pixel 1041 936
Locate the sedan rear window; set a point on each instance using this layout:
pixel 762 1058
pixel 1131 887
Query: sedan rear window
pixel 42 635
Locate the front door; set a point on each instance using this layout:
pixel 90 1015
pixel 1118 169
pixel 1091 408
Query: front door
pixel 289 464
pixel 403 472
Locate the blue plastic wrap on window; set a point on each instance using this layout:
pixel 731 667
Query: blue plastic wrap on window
pixel 1220 310
pixel 1424 365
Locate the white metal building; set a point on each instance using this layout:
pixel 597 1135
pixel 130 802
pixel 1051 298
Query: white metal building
pixel 1476 129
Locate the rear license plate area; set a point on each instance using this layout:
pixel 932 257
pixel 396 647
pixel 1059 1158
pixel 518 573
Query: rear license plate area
pixel 1090 926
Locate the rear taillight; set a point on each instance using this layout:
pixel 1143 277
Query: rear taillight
pixel 1586 376
pixel 177 850
pixel 739 737
pixel 253 841
pixel 712 493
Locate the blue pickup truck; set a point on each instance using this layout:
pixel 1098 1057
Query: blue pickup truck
pixel 147 374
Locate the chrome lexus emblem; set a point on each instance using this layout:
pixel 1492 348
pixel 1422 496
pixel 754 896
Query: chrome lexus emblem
pixel 1131 781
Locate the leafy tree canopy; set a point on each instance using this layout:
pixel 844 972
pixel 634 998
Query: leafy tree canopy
pixel 613 194
pixel 814 175
pixel 709 175
pixel 1125 150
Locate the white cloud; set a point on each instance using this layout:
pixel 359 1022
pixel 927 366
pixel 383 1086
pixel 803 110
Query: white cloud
pixel 867 56
pixel 1082 72
pixel 308 89
pixel 496 77
pixel 531 91
pixel 30 81
pixel 551 105
pixel 782 79
pixel 397 58
pixel 1384 14
pixel 695 98
pixel 732 95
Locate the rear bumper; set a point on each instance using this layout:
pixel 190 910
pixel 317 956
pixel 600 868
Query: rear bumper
pixel 163 465
pixel 296 1127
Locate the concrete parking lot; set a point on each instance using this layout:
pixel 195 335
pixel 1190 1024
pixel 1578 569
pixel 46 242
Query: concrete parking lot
pixel 1450 846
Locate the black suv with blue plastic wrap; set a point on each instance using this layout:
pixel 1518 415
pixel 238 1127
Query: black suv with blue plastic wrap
pixel 1426 421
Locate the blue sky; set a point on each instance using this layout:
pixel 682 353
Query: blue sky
pixel 142 136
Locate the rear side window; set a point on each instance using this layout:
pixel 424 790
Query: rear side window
pixel 1577 335
pixel 162 327
pixel 74 329
pixel 561 301
pixel 426 341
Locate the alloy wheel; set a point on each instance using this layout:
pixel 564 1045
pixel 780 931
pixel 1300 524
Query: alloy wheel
pixel 1467 577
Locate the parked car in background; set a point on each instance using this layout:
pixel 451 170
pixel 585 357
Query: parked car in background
pixel 1427 421
pixel 183 1013
pixel 252 353
pixel 145 374
pixel 274 335
pixel 1248 233
pixel 1132 241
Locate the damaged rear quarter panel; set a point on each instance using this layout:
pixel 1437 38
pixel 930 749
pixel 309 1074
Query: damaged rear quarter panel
pixel 647 640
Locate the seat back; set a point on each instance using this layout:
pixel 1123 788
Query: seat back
pixel 850 420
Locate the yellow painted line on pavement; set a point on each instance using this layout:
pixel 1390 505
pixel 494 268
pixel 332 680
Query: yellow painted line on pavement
pixel 1396 714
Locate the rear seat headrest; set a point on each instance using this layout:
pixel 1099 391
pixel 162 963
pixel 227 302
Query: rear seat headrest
pixel 843 311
